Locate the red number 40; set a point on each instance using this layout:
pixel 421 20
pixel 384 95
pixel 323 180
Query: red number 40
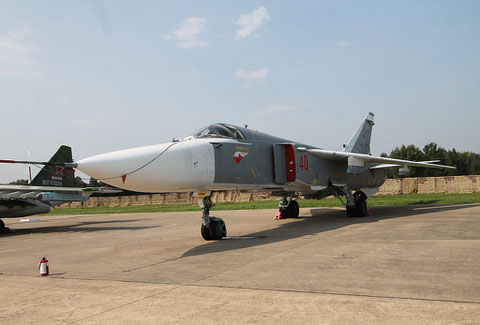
pixel 303 162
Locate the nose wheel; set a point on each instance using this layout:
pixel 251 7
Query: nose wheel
pixel 212 228
pixel 216 230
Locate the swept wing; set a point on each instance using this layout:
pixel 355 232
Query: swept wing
pixel 359 159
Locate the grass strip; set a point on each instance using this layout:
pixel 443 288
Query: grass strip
pixel 405 199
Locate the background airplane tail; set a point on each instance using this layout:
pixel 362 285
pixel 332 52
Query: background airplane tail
pixel 360 141
pixel 56 175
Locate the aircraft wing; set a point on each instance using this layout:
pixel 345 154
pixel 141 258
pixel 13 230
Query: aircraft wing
pixel 33 188
pixel 25 200
pixel 359 159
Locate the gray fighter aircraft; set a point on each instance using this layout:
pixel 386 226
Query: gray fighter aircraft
pixel 227 157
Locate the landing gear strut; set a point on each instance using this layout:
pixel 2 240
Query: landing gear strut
pixel 289 208
pixel 212 228
pixel 356 203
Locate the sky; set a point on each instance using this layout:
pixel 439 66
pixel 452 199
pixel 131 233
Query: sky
pixel 109 75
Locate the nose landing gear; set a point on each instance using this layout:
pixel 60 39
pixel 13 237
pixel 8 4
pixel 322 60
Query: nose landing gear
pixel 212 228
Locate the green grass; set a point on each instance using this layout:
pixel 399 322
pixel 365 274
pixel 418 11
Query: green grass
pixel 405 199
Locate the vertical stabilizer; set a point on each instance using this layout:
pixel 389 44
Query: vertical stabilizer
pixel 360 141
pixel 57 175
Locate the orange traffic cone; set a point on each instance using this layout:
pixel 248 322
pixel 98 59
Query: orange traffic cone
pixel 43 266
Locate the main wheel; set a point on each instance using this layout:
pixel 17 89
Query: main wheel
pixel 351 212
pixel 360 209
pixel 293 209
pixel 2 227
pixel 361 204
pixel 205 232
pixel 217 229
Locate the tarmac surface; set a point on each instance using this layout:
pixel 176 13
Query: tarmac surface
pixel 400 265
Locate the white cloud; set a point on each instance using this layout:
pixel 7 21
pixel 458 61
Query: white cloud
pixel 188 32
pixel 280 108
pixel 16 54
pixel 252 75
pixel 249 23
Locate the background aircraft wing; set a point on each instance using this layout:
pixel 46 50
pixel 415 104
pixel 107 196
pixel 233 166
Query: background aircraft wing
pixel 7 190
pixel 34 188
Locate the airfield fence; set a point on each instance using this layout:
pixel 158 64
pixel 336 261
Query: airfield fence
pixel 422 185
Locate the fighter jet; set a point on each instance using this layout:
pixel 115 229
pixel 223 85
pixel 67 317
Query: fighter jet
pixel 223 157
pixel 52 186
pixel 227 157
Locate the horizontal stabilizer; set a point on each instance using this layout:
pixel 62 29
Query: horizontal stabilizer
pixel 397 165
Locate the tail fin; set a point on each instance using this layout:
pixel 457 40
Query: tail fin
pixel 360 141
pixel 52 175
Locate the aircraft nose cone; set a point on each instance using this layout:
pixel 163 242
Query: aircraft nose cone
pixel 120 163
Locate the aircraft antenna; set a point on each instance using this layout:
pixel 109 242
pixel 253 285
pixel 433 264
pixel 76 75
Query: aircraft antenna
pixel 29 167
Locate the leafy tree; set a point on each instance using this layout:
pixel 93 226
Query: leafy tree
pixel 19 182
pixel 467 163
pixel 94 182
pixel 79 182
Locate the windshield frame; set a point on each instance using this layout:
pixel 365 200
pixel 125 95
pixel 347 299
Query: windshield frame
pixel 227 131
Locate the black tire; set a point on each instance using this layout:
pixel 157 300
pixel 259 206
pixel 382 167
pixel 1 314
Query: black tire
pixel 360 209
pixel 217 229
pixel 283 212
pixel 2 227
pixel 205 232
pixel 361 204
pixel 351 212
pixel 293 209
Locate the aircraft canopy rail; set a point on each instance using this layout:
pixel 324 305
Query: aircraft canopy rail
pixel 220 130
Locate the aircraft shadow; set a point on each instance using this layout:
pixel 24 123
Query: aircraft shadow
pixel 321 219
pixel 84 226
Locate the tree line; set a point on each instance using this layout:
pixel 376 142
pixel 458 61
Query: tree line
pixel 467 163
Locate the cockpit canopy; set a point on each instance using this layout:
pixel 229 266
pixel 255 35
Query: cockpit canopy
pixel 220 130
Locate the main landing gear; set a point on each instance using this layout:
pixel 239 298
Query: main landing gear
pixel 356 203
pixel 289 208
pixel 3 229
pixel 212 228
